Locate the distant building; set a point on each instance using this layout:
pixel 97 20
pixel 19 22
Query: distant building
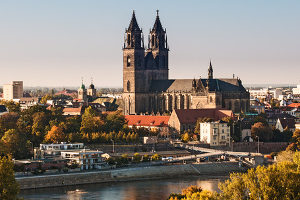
pixel 185 119
pixel 73 111
pixel 13 90
pixel 86 159
pixel 297 126
pixel 67 92
pixel 283 123
pixel 215 133
pixel 296 90
pixel 92 91
pixel 87 94
pixel 82 93
pixel 26 102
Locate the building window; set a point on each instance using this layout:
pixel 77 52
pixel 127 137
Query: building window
pixel 152 41
pixel 128 39
pixel 128 86
pixel 128 61
pixel 211 99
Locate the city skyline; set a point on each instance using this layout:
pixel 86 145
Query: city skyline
pixel 57 43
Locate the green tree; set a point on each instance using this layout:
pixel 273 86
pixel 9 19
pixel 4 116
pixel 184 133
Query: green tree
pixel 15 143
pixel 90 121
pixel 114 121
pixel 9 188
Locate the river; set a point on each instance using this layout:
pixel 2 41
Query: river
pixel 134 190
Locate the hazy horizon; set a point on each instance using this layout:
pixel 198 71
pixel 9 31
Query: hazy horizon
pixel 55 43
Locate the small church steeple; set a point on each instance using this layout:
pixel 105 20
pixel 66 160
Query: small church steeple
pixel 210 71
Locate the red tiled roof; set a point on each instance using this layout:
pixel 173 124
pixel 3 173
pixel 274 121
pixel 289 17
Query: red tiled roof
pixel 190 116
pixel 72 109
pixel 294 105
pixel 147 120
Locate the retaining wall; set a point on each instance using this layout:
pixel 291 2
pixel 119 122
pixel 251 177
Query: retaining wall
pixel 128 174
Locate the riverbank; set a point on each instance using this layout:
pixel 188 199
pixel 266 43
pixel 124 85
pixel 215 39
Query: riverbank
pixel 128 174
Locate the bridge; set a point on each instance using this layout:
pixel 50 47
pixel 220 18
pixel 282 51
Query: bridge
pixel 206 153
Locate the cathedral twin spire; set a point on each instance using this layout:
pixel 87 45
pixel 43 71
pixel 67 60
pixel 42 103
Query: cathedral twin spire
pixel 157 38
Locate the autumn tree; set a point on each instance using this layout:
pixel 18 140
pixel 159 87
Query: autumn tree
pixel 15 143
pixel 11 106
pixel 46 98
pixel 277 181
pixel 39 122
pixel 55 135
pixel 8 121
pixel 264 132
pixel 9 188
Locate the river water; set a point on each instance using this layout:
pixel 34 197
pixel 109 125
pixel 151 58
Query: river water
pixel 134 190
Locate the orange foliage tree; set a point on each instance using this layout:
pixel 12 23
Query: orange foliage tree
pixel 55 135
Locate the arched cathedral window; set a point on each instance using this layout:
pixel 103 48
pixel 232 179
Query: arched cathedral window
pixel 152 41
pixel 128 40
pixel 128 86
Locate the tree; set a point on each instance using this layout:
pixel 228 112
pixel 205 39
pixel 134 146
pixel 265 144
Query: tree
pixel 156 157
pixel 8 121
pixel 185 137
pixel 45 98
pixel 9 188
pixel 296 139
pixel 90 121
pixel 11 106
pixel 15 143
pixel 55 135
pixel 38 127
pixel 264 132
pixel 277 181
pixel 114 121
pixel 136 158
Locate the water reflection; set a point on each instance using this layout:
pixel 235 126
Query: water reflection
pixel 146 190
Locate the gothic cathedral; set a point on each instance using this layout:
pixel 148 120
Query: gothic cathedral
pixel 147 88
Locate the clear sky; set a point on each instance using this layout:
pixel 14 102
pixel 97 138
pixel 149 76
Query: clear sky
pixel 56 42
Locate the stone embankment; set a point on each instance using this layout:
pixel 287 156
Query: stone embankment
pixel 128 174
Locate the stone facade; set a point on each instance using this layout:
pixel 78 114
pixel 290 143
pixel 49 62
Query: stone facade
pixel 148 89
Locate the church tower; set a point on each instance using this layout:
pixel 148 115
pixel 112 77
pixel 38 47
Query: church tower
pixel 133 66
pixel 158 46
pixel 82 92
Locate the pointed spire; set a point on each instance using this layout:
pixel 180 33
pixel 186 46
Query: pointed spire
pixel 210 71
pixel 133 26
pixel 157 27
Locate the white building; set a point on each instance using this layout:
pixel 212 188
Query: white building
pixel 61 146
pixel 13 90
pixel 215 133
pixel 86 159
pixel 266 93
pixel 296 90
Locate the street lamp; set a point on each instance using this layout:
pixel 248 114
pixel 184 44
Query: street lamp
pixel 113 145
pixel 257 144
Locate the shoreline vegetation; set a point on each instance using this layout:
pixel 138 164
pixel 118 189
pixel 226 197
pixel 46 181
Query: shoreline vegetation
pixel 277 181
